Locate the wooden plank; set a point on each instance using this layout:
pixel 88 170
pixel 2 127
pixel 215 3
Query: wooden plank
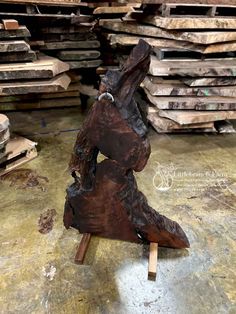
pixel 44 67
pixel 19 150
pixel 67 29
pixel 103 69
pixel 10 24
pixel 152 263
pixel 126 40
pixel 88 90
pixel 68 37
pixel 13 46
pixel 187 22
pixel 36 43
pixel 40 104
pixel 74 76
pixel 56 84
pixel 184 130
pixel 114 3
pixel 131 27
pixel 157 87
pixel 178 53
pixel 88 44
pixel 208 37
pixel 84 64
pixel 32 97
pixel 113 10
pixel 20 56
pixel 78 54
pixel 164 124
pixel 196 103
pixel 190 116
pixel 82 249
pixel 75 18
pixel 222 47
pixel 21 32
pixel 210 81
pixel 221 67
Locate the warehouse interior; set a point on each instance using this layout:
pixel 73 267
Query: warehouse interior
pixel 53 57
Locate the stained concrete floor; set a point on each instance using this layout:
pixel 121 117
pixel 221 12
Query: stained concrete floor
pixel 189 178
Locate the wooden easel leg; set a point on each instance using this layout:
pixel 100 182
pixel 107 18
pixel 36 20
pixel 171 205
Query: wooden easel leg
pixel 152 264
pixel 82 249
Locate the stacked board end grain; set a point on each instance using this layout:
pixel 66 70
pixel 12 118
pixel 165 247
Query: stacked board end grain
pixel 191 83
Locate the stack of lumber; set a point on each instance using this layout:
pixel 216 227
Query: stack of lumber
pixel 62 39
pixel 191 83
pixel 75 44
pixel 13 45
pixel 77 41
pixel 29 80
pixel 35 84
pixel 63 33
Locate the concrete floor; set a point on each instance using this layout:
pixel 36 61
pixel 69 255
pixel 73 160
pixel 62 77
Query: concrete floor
pixel 189 178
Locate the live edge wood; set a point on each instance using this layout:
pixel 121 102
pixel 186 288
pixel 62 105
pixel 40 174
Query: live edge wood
pixel 44 67
pixel 194 36
pixel 82 249
pixel 104 198
pixel 188 22
pixel 152 263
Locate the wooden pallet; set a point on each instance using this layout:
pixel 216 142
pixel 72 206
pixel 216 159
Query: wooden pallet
pixel 19 150
pixel 188 9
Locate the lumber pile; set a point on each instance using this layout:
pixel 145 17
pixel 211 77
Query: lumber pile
pixel 59 51
pixel 60 55
pixel 27 79
pixel 77 45
pixel 191 82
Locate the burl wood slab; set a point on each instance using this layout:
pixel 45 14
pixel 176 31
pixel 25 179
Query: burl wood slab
pixel 104 198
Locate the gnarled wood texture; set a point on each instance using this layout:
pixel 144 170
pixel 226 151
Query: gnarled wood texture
pixel 105 200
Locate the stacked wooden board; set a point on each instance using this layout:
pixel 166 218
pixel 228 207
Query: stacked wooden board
pixel 13 45
pixel 63 38
pixel 29 80
pixel 75 44
pixel 191 82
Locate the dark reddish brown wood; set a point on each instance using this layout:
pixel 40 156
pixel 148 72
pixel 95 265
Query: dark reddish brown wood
pixel 104 199
pixel 82 249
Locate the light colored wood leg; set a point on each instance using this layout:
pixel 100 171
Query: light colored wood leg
pixel 152 267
